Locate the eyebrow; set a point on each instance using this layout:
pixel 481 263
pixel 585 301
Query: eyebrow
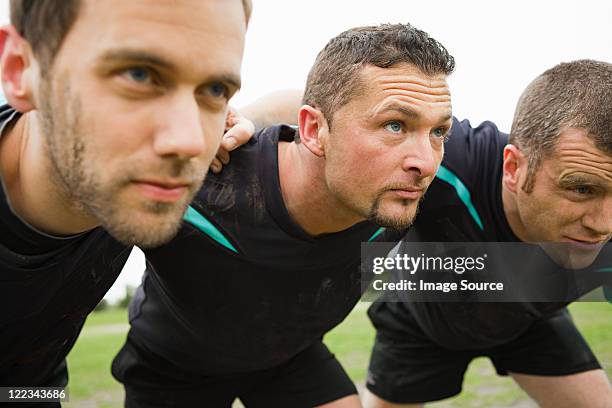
pixel 143 57
pixel 406 111
pixel 136 56
pixel 577 179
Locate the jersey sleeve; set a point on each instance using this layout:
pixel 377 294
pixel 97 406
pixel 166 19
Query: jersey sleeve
pixel 470 150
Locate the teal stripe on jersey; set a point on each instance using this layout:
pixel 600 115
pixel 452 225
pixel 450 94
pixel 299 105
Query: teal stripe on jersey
pixel 449 177
pixel 200 222
pixel 376 234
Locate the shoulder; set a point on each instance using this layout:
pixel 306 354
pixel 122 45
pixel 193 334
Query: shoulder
pixel 241 182
pixel 467 143
pixel 472 151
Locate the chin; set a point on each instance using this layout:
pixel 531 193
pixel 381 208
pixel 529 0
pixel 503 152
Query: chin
pixel 580 260
pixel 398 222
pixel 568 257
pixel 145 229
pixel 144 236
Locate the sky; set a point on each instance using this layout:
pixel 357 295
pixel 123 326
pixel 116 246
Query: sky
pixel 499 47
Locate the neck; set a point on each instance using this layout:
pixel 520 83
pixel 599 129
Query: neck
pixel 33 192
pixel 512 214
pixel 306 195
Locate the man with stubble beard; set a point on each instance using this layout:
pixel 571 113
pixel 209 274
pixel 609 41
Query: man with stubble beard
pixel 109 130
pixel 549 183
pixel 237 304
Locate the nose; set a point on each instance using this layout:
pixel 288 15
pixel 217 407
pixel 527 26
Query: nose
pixel 599 219
pixel 422 158
pixel 180 130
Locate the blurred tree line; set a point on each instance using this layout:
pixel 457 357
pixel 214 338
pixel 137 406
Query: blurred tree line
pixel 123 302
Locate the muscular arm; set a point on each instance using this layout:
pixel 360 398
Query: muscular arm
pixel 273 108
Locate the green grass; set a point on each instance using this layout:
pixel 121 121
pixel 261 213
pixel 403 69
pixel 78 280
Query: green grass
pixel 91 383
pixel 353 339
pixel 595 322
pixel 90 359
pixel 109 316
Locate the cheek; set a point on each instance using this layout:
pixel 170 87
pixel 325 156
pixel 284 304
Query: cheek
pixel 535 211
pixel 361 170
pixel 121 136
pixel 109 126
pixel 361 163
pixel 214 126
pixel 568 213
pixel 439 155
pixel 547 215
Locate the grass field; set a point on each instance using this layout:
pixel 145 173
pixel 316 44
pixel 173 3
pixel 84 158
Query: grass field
pixel 92 385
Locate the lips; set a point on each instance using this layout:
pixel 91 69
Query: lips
pixel 585 243
pixel 408 193
pixel 165 191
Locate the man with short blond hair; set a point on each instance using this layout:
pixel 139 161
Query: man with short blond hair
pixel 549 181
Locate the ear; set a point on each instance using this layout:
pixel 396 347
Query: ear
pixel 513 167
pixel 313 129
pixel 18 69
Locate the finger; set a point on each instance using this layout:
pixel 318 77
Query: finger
pixel 229 142
pixel 216 166
pixel 230 123
pixel 240 133
pixel 223 156
pixel 231 118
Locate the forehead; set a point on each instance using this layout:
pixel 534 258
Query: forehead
pixel 575 154
pixel 403 85
pixel 181 31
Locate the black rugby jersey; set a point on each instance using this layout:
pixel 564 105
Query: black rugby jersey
pixel 242 287
pixel 48 286
pixel 464 204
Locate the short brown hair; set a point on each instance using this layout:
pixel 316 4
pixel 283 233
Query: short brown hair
pixel 574 94
pixel 45 23
pixel 248 10
pixel 334 78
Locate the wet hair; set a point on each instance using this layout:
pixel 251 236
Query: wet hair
pixel 334 78
pixel 574 94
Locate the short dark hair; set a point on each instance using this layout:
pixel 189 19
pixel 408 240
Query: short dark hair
pixel 45 23
pixel 334 78
pixel 575 94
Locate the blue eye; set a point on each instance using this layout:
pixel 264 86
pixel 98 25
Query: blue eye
pixel 439 133
pixel 218 90
pixel 140 75
pixel 583 190
pixel 394 127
